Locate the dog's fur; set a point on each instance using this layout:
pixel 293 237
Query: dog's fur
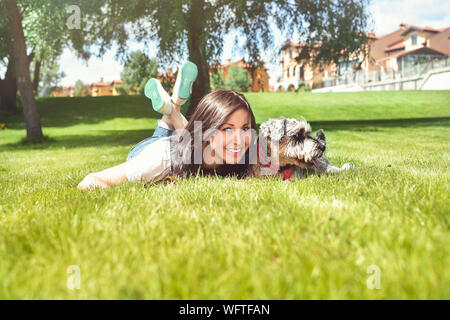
pixel 290 142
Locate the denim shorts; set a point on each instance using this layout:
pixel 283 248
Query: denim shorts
pixel 159 133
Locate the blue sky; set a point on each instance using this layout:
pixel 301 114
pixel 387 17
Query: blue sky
pixel 387 15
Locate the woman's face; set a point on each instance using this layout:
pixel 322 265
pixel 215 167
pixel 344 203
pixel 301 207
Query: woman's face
pixel 232 140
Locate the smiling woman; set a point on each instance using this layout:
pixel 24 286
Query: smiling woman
pixel 235 137
pixel 215 140
pixel 225 122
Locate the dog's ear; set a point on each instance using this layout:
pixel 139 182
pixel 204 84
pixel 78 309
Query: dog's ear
pixel 298 128
pixel 274 129
pixel 320 135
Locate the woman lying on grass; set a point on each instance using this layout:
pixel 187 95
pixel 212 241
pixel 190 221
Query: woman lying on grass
pixel 215 140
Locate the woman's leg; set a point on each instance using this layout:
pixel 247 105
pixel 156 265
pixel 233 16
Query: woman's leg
pixel 181 91
pixel 176 119
pixel 170 106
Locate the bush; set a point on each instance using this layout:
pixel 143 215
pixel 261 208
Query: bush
pixel 80 89
pixel 318 84
pixel 121 91
pixel 239 79
pixel 303 88
pixel 138 68
pixel 217 79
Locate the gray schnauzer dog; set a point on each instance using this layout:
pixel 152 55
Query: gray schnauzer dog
pixel 286 149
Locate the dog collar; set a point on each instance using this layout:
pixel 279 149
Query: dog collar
pixel 286 171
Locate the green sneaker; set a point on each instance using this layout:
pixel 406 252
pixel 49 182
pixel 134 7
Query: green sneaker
pixel 160 98
pixel 183 85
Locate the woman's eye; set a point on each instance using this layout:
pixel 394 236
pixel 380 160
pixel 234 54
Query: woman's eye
pixel 227 129
pixel 246 129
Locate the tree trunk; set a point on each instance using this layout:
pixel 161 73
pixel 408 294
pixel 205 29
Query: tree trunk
pixel 21 60
pixel 37 73
pixel 197 52
pixel 8 89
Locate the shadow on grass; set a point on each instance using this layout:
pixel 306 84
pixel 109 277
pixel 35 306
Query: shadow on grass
pixel 132 137
pixel 379 124
pixel 112 138
pixel 65 112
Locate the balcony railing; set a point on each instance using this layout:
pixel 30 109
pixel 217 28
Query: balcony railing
pixel 365 77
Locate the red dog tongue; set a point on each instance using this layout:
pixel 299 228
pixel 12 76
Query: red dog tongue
pixel 314 162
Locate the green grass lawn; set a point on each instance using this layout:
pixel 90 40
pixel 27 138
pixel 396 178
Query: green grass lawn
pixel 214 238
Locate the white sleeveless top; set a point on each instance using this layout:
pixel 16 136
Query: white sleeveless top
pixel 152 163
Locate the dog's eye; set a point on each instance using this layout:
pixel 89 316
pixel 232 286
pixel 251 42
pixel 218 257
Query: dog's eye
pixel 300 136
pixel 301 133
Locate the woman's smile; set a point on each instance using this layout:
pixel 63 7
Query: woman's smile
pixel 235 152
pixel 234 138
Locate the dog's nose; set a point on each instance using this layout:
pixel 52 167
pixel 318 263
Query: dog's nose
pixel 322 147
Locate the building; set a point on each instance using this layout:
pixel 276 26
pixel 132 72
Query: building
pixel 296 73
pixel 95 89
pixel 62 91
pixel 397 51
pixel 102 88
pixel 259 76
pixel 408 46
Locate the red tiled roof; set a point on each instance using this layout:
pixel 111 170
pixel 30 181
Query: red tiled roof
pixel 402 53
pixel 416 28
pixel 104 84
pixel 438 33
pixel 395 46
pixel 386 34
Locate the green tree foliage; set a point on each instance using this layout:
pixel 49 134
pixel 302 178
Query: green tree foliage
pixel 34 29
pixel 217 81
pixel 238 79
pixel 168 81
pixel 332 30
pixel 198 28
pixel 49 76
pixel 193 29
pixel 121 90
pixel 80 89
pixel 137 70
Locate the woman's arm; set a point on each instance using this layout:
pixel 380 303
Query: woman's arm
pixel 105 178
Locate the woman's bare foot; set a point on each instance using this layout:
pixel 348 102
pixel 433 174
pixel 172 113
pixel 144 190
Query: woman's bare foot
pixel 176 119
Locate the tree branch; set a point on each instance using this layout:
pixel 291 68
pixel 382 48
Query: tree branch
pixel 31 56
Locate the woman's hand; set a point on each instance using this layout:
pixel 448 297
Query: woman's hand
pixel 90 182
pixel 104 179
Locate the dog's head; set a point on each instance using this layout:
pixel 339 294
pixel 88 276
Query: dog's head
pixel 296 146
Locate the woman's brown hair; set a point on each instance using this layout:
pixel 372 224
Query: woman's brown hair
pixel 213 110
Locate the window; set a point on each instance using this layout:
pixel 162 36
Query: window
pixel 290 53
pixel 293 71
pixel 414 39
pixel 288 72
